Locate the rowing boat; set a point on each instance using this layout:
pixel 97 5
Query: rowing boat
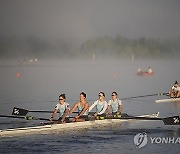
pixel 168 100
pixel 144 73
pixel 66 126
pixel 58 127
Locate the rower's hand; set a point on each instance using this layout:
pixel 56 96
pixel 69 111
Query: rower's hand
pixel 107 114
pixel 51 119
pixel 76 117
pixel 118 113
pixel 95 114
pixel 62 120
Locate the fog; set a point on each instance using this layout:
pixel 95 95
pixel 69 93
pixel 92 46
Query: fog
pixel 69 46
pixel 60 27
pixel 50 78
pixel 82 19
pixel 37 87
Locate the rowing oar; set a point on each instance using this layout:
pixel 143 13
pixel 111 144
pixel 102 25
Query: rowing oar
pixel 175 120
pixel 159 94
pixel 23 112
pixel 24 117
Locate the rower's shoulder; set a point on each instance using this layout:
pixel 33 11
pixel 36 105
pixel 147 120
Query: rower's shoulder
pixel 105 102
pixel 57 105
pixel 67 105
pixel 120 102
pixel 87 103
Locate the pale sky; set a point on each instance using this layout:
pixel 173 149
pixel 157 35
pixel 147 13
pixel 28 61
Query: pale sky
pixel 79 20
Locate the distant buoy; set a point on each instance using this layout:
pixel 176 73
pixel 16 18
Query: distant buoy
pixel 18 74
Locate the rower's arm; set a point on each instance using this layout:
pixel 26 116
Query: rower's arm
pixel 84 109
pixel 54 113
pixel 92 106
pixel 108 109
pixel 73 108
pixel 65 113
pixel 120 108
pixel 104 109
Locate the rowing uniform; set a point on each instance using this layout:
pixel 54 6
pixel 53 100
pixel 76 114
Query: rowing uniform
pixel 175 91
pixel 150 70
pixel 100 108
pixel 115 106
pixel 62 108
pixel 80 109
pixel 175 88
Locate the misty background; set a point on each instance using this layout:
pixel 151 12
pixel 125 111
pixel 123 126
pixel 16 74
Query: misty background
pixel 50 47
pixel 82 28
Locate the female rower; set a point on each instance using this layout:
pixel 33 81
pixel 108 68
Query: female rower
pixel 63 109
pixel 101 107
pixel 115 104
pixel 82 107
pixel 175 90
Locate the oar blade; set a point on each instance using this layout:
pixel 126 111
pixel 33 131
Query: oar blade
pixel 19 111
pixel 175 120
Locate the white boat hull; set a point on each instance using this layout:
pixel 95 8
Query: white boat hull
pixel 58 127
pixel 168 100
pixel 64 127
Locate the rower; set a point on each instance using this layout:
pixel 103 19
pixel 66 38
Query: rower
pixel 116 105
pixel 175 90
pixel 149 70
pixel 82 107
pixel 63 109
pixel 101 107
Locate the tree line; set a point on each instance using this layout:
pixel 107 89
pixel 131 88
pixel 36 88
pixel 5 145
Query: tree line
pixel 124 47
pixel 100 46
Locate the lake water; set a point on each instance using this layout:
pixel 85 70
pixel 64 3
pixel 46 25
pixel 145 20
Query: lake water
pixel 38 88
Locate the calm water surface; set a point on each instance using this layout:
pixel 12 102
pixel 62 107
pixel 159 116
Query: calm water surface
pixel 39 86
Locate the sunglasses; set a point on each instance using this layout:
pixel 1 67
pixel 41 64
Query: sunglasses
pixel 113 95
pixel 100 95
pixel 61 99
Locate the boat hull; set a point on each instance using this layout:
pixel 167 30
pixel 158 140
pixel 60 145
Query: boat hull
pixel 144 74
pixel 66 126
pixel 59 127
pixel 168 100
